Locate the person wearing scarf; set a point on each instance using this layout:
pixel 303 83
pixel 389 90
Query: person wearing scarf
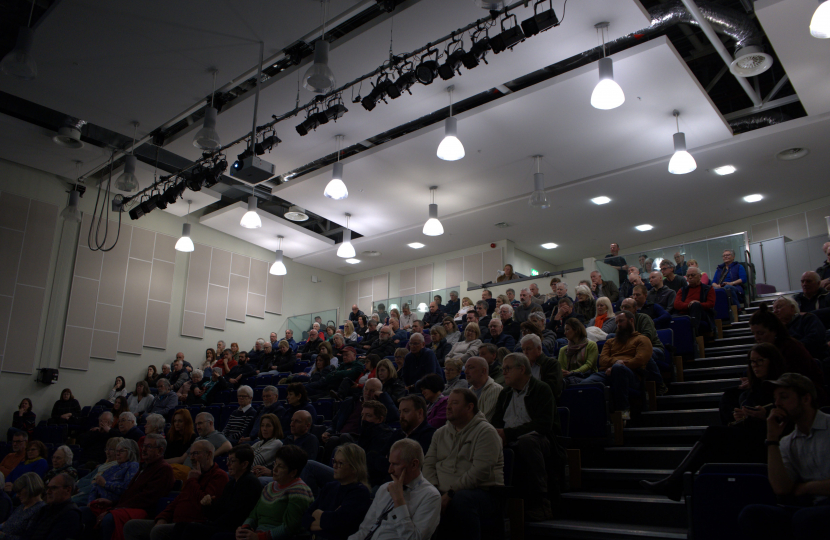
pixel 579 358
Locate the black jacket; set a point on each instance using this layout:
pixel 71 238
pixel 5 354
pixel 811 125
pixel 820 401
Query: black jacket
pixel 55 522
pixel 452 307
pixel 441 350
pixel 430 319
pixel 423 434
pixel 376 440
pixel 395 388
pixel 512 329
pixel 235 503
pixel 383 348
pixel 310 347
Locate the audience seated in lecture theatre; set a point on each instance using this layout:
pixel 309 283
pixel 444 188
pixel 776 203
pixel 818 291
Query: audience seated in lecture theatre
pixel 660 293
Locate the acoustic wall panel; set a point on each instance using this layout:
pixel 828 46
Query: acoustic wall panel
pixel 240 265
pixel 81 313
pixel 220 267
pixel 193 324
pixel 237 298
pixel 114 270
pixel 155 330
pixel 161 281
pixel 380 287
pixel 472 269
pixel 364 287
pixel 196 291
pixel 491 262
pixel 256 306
pixel 142 244
pixel 27 230
pixel 455 271
pixel 217 307
pixel 257 288
pixel 104 345
pixel 77 343
pixel 134 315
pixel 273 294
pixel 165 248
pixel 351 294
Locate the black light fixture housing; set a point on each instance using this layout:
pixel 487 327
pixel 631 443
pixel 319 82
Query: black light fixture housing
pixel 378 92
pixel 540 21
pixel 476 53
pixel 136 212
pixel 453 64
pixel 509 37
pixel 405 80
pixel 172 194
pixel 336 111
pixel 427 70
pixel 247 153
pixel 267 144
pixel 311 122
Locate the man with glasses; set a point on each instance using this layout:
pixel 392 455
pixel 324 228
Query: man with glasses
pixel 153 481
pixel 242 417
pixel 205 479
pixel 385 345
pixel 398 334
pixel 127 427
pixel 420 361
pixel 525 420
pixel 453 335
pixel 17 455
pixel 497 337
pixel 670 279
pixel 60 518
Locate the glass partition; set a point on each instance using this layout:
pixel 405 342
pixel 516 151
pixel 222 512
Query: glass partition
pixel 301 324
pixel 708 254
pixel 418 303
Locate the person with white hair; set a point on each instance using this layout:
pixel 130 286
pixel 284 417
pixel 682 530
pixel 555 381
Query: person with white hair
pixel 61 464
pixel 420 361
pixel 30 490
pixel 111 483
pixel 241 418
pixel 508 325
pixel 497 337
pixel 803 327
pixel 165 401
pixel 408 507
pixel 542 367
pixel 255 355
pixel 127 427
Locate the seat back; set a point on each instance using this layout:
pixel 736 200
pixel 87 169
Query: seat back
pixel 587 411
pixel 509 461
pixel 722 311
pixel 325 408
pixel 564 420
pixel 720 492
pixel 684 336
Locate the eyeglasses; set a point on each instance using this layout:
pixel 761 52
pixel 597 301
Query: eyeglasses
pixel 55 488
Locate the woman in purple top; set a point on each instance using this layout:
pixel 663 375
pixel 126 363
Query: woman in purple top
pixel 431 387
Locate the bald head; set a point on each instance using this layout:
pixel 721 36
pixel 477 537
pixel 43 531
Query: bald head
pixel 477 371
pixel 300 423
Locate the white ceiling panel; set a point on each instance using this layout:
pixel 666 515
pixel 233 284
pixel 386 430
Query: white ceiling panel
pixel 414 27
pixel 297 242
pixel 554 119
pixel 805 58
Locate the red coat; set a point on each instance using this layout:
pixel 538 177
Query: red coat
pixel 694 294
pixel 151 483
pixel 187 507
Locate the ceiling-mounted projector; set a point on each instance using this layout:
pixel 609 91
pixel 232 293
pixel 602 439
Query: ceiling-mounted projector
pixel 252 170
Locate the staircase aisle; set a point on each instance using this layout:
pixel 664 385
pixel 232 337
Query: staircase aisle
pixel 611 503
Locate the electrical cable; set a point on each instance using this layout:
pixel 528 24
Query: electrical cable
pixel 99 244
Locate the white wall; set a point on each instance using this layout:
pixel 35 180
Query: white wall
pixel 300 296
pixel 523 262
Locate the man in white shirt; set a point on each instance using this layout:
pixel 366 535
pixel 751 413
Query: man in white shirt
pixel 408 507
pixel 797 464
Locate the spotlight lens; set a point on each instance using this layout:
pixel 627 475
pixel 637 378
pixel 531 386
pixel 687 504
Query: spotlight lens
pixel 753 198
pixel 416 245
pixel 723 171
pixel 550 245
pixel 644 227
pixel 607 95
pixel 601 200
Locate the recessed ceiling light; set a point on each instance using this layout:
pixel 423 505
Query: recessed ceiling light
pixel 416 245
pixel 753 198
pixel 371 253
pixel 791 154
pixel 723 171
pixel 550 245
pixel 644 227
pixel 352 261
pixel 600 200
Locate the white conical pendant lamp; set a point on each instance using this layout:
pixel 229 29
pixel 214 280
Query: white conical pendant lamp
pixel 820 23
pixel 607 93
pixel 346 249
pixel 682 161
pixel 319 78
pixel 207 138
pixel 19 62
pixel 278 268
pixel 538 199
pixel 336 188
pixel 185 244
pixel 251 219
pixel 433 227
pixel 450 148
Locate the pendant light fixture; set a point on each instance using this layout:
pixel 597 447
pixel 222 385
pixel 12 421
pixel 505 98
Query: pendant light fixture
pixel 278 268
pixel 450 148
pixel 682 161
pixel 251 219
pixel 607 93
pixel 433 227
pixel 336 188
pixel 820 23
pixel 346 249
pixel 207 138
pixel 185 244
pixel 72 213
pixel 319 78
pixel 128 181
pixel 539 199
pixel 20 63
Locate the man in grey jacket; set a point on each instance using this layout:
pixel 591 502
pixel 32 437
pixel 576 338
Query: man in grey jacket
pixel 464 459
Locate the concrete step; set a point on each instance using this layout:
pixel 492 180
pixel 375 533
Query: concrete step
pixel 661 436
pixel 713 373
pixel 663 457
pixel 688 401
pixel 717 361
pixel 682 417
pixel 632 508
pixel 736 332
pixel 702 387
pixel 613 479
pixel 591 530
pixel 716 349
pixel 743 339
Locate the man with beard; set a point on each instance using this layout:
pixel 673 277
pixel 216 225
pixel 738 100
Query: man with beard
pixel 621 356
pixel 413 411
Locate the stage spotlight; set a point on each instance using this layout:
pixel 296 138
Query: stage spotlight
pixel 172 194
pixel 476 53
pixel 136 212
pixel 405 82
pixel 427 70
pixel 508 38
pixel 193 179
pixel 452 65
pixel 377 93
pixel 267 144
pixel 311 122
pixel 540 21
pixel 336 111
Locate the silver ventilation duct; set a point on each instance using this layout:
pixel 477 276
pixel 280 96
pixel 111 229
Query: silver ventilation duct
pixel 757 121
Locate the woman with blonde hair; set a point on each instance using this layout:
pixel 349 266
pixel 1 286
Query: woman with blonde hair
pixel 349 333
pixel 388 376
pixel 466 305
pixel 501 300
pixel 468 347
pixel 452 372
pixel 30 490
pixel 340 507
pixel 604 323
pixel 584 303
pixel 439 343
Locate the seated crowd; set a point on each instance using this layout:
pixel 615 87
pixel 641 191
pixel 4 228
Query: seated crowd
pixel 426 414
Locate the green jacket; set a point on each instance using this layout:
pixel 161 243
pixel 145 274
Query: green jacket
pixel 645 326
pixel 591 355
pixel 540 405
pixel 344 370
pixel 496 373
pixel 551 373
